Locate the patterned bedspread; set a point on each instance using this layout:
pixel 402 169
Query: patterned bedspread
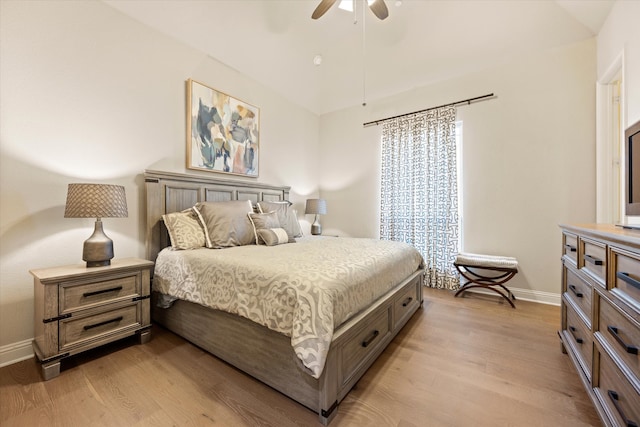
pixel 304 290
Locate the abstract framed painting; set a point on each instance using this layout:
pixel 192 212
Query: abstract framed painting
pixel 223 133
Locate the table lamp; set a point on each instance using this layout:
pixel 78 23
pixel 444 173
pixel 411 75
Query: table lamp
pixel 96 201
pixel 316 207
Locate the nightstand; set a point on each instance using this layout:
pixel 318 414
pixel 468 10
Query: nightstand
pixel 78 308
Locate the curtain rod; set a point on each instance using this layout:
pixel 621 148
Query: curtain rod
pixel 465 101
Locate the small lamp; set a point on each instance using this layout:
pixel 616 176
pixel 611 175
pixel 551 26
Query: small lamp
pixel 316 207
pixel 96 201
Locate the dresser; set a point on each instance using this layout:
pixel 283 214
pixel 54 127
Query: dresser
pixel 78 308
pixel 600 326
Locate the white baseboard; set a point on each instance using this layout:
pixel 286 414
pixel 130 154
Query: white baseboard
pixel 526 295
pixel 16 352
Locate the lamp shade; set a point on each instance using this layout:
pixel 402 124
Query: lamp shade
pixel 95 201
pixel 316 206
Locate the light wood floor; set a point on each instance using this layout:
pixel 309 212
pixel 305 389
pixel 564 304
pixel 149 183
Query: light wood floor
pixel 470 361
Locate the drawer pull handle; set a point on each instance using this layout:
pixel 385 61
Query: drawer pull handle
pixel 573 330
pixel 592 259
pixel 95 325
pixel 625 277
pixel 407 302
pixel 628 348
pixel 575 291
pixel 370 338
pixel 613 395
pixel 570 248
pixel 102 291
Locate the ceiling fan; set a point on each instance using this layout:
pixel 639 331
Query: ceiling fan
pixel 377 7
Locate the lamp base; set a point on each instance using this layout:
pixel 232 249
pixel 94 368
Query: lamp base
pixel 316 227
pixel 98 249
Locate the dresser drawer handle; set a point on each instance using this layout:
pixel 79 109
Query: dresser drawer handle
pixel 95 325
pixel 592 259
pixel 625 277
pixel 407 302
pixel 573 330
pixel 613 395
pixel 628 348
pixel 370 338
pixel 570 248
pixel 102 291
pixel 575 291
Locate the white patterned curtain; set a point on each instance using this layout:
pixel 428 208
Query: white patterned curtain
pixel 419 203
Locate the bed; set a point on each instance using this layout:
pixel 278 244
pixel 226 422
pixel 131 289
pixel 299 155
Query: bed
pixel 315 369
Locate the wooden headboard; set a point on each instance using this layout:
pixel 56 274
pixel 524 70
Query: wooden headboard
pixel 173 192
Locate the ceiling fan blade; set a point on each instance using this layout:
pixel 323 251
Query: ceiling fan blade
pixel 322 8
pixel 379 9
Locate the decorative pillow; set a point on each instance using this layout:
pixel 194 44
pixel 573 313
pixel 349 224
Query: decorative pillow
pixel 263 220
pixel 287 216
pixel 184 229
pixel 225 223
pixel 273 236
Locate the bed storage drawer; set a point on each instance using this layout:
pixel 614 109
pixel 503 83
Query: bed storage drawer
pixel 84 294
pixel 406 303
pixel 77 331
pixel 593 260
pixel 580 293
pixel 365 343
pixel 616 394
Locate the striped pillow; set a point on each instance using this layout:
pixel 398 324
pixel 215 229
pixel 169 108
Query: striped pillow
pixel 273 236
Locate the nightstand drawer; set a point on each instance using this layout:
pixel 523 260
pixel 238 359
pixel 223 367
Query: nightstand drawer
pixel 593 259
pixel 617 394
pixel 80 295
pixel 625 282
pixel 76 331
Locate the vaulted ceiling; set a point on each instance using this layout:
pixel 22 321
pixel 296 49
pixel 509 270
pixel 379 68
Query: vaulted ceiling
pixel 421 42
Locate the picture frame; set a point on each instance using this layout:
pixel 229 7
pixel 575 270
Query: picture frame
pixel 223 133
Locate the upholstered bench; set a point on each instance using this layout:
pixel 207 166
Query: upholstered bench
pixel 473 266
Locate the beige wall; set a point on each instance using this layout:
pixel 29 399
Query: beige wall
pixel 618 52
pixel 528 159
pixel 88 94
pixel 620 34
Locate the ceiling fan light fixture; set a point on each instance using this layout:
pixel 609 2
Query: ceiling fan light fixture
pixel 349 5
pixel 377 7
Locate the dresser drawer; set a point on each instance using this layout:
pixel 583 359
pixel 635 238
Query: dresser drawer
pixel 405 304
pixel 616 393
pixel 625 280
pixel 621 333
pixel 80 295
pixel 579 292
pixel 76 331
pixel 365 341
pixel 580 338
pixel 570 246
pixel 593 260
